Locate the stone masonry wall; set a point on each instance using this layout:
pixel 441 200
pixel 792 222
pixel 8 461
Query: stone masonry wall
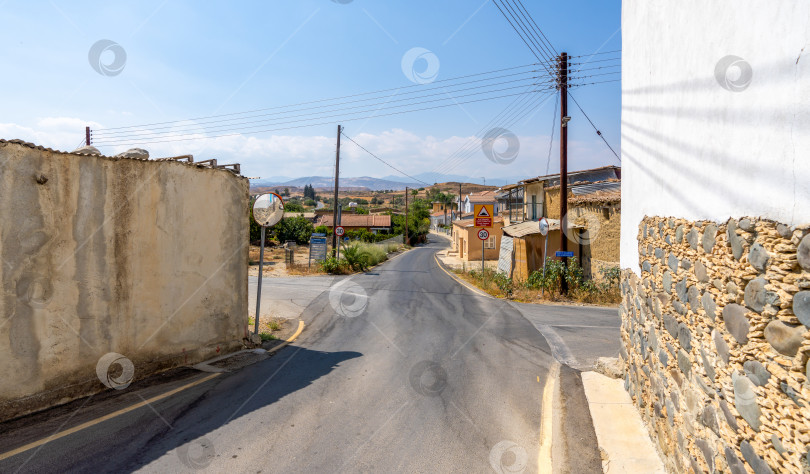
pixel 715 343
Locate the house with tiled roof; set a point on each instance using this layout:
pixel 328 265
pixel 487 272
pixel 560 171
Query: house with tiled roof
pixel 373 223
pixel 483 197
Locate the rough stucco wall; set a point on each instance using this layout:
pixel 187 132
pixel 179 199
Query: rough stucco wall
pixel 604 231
pixel 715 343
pixel 693 149
pixel 143 258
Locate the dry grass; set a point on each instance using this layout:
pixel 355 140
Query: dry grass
pixel 522 293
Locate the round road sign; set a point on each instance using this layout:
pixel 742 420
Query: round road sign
pixel 483 234
pixel 543 226
pixel 339 231
pixel 268 209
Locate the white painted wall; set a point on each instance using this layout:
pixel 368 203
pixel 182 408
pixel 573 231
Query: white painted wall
pixel 691 148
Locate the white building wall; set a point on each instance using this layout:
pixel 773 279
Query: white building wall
pixel 694 149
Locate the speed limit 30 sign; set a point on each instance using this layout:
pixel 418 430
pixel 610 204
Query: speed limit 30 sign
pixel 339 231
pixel 483 234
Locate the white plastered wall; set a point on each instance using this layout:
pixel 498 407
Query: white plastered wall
pixel 690 147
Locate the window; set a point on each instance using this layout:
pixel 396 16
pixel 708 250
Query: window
pixel 490 242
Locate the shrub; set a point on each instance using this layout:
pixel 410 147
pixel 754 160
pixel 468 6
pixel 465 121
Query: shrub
pixel 296 228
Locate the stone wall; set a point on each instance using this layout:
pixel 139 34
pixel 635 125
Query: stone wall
pixel 715 343
pixel 100 255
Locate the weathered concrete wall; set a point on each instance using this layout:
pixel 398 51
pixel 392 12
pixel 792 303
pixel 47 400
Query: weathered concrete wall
pixel 715 343
pixel 142 258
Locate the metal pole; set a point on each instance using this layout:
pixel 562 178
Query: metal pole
pixel 337 180
pixel 482 259
pixel 545 256
pixel 259 288
pixel 407 240
pixel 564 163
pixel 87 136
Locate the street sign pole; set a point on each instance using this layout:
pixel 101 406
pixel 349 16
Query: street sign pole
pixel 259 288
pixel 545 257
pixel 482 257
pixel 268 210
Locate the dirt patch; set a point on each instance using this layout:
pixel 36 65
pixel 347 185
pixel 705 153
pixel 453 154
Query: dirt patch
pixel 274 265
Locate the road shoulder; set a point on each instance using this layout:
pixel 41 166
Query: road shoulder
pixel 619 429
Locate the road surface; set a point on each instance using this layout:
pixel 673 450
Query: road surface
pixel 401 369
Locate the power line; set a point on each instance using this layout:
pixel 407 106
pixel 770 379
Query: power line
pixel 284 116
pixel 383 161
pixel 322 100
pixel 315 124
pixel 342 116
pixel 554 122
pixel 594 127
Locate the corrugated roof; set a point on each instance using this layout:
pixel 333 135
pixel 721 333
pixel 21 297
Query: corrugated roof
pixel 533 227
pixel 580 189
pixel 572 174
pixel 483 196
pixel 358 220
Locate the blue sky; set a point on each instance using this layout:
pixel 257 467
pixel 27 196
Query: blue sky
pixel 190 59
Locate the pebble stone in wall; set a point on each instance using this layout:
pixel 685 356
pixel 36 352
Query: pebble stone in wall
pixel 723 385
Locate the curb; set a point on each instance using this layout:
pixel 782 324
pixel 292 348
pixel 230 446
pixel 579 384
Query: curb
pixel 289 339
pixel 460 281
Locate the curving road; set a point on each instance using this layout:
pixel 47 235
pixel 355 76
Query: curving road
pixel 401 369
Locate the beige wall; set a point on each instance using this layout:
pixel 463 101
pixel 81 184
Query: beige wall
pixel 466 240
pixel 142 258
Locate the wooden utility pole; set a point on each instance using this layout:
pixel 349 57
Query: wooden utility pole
pixel 335 204
pixel 407 240
pixel 564 118
pixel 87 136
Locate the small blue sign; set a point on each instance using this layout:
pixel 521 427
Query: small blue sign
pixel 563 254
pixel 315 234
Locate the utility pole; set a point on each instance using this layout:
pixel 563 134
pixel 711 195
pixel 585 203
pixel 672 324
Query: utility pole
pixel 87 136
pixel 335 204
pixel 564 118
pixel 407 240
pixel 459 200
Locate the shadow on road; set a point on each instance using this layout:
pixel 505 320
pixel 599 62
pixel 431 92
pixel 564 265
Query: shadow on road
pixel 185 422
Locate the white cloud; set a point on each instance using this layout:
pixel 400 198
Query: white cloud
pixel 299 155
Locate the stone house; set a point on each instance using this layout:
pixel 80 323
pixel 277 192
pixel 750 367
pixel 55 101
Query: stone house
pixel 523 247
pixel 715 241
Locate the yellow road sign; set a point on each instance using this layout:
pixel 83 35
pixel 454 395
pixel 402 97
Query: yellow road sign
pixel 483 214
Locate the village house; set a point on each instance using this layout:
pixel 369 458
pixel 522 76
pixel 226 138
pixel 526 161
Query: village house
pixel 483 197
pixel 467 245
pixel 594 217
pixel 373 223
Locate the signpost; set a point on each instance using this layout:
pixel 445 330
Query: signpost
pixel 267 212
pixel 483 234
pixel 317 248
pixel 339 232
pixel 543 223
pixel 483 214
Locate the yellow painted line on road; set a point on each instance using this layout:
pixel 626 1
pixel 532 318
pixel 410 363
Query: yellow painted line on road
pixel 544 463
pixel 460 281
pixel 290 339
pixel 110 416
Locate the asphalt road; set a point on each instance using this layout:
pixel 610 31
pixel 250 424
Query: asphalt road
pixel 401 369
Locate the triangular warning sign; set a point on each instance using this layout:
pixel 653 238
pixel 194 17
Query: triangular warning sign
pixel 483 212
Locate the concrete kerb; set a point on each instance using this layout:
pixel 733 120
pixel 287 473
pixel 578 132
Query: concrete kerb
pixel 247 356
pixel 619 430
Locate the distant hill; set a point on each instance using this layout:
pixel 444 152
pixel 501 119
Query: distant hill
pixel 364 182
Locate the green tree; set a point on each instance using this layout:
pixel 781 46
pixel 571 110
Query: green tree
pixel 295 228
pixel 293 206
pixel 361 210
pixel 286 192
